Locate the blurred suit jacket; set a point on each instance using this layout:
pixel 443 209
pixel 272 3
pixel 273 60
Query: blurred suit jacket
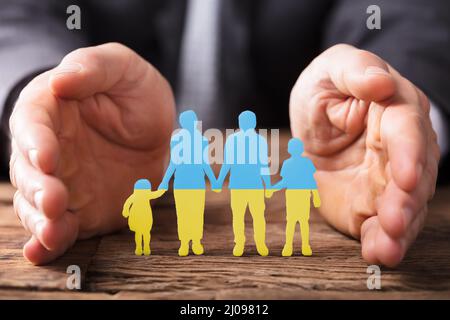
pixel 264 45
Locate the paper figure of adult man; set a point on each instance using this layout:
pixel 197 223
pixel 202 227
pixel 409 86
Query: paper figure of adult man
pixel 246 161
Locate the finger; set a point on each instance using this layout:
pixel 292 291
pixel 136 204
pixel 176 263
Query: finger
pixel 397 209
pixel 46 193
pixel 12 161
pixel 368 235
pixel 358 73
pixel 34 124
pixel 31 219
pixel 331 98
pixel 377 247
pixel 55 234
pixel 403 135
pixel 391 251
pixel 91 70
pixel 37 254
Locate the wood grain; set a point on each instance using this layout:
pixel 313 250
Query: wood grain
pixel 110 270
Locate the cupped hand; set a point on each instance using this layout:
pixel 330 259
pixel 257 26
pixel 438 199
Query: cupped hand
pixel 368 131
pixel 82 133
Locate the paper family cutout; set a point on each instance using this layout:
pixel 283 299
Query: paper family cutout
pixel 246 163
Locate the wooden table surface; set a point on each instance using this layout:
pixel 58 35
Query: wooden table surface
pixel 110 270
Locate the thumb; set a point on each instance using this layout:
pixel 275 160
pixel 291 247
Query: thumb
pixel 359 73
pixel 91 70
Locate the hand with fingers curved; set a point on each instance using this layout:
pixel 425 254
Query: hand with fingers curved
pixel 82 133
pixel 368 131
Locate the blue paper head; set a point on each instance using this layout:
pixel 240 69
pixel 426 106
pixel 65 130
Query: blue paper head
pixel 295 147
pixel 142 184
pixel 188 119
pixel 247 120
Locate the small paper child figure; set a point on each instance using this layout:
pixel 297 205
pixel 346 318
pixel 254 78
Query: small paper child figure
pixel 297 175
pixel 139 213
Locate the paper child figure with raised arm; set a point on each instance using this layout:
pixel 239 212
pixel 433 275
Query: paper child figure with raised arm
pixel 297 175
pixel 139 213
pixel 189 164
pixel 246 159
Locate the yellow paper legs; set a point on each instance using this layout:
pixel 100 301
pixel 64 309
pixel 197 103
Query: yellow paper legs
pixel 254 200
pixel 298 211
pixel 190 207
pixel 142 240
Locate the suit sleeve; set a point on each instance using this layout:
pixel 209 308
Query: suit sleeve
pixel 414 38
pixel 33 38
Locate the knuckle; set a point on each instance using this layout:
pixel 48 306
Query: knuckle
pixel 431 176
pixel 18 210
pixel 415 120
pixel 12 119
pixel 340 47
pixel 26 216
pixel 91 55
pixel 12 169
pixel 116 46
pixel 85 56
pixel 432 173
pixel 16 199
pixel 295 96
pixel 424 102
pixel 80 52
pixel 35 89
pixel 433 142
pixel 436 151
pixel 16 205
pixel 364 56
pixel 432 192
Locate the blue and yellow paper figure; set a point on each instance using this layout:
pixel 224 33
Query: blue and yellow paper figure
pixel 139 213
pixel 297 175
pixel 189 165
pixel 246 160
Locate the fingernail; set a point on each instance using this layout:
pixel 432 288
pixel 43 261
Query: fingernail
pixel 69 67
pixel 372 70
pixel 40 234
pixel 38 196
pixel 33 155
